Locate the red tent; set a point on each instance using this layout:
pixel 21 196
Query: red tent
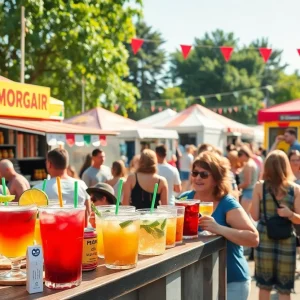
pixel 288 111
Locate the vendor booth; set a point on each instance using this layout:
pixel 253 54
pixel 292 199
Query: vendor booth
pixel 30 124
pixel 277 118
pixel 133 136
pixel 198 124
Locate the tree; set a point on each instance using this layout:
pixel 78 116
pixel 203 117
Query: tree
pixel 205 72
pixel 68 41
pixel 288 88
pixel 172 93
pixel 147 66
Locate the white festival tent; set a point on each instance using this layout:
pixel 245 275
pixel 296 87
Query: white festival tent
pixel 159 119
pixel 198 124
pixel 128 142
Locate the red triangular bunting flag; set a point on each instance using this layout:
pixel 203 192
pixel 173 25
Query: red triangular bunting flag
pixel 236 109
pixel 265 53
pixel 103 141
pixel 214 109
pixel 152 108
pixel 185 49
pixel 298 51
pixel 230 110
pixel 136 44
pixel 160 108
pixel 220 110
pixel 226 51
pixel 70 139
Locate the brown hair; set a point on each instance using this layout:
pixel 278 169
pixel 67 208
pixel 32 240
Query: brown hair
pixel 119 168
pixel 245 150
pixel 148 162
pixel 161 151
pixel 219 169
pixel 292 153
pixel 205 147
pixel 233 159
pixel 59 158
pixel 277 172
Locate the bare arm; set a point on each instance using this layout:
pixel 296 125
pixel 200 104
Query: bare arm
pixel 247 177
pixel 18 187
pixel 294 216
pixel 87 204
pixel 275 144
pixel 177 188
pixel 242 231
pixel 164 192
pixel 128 185
pixel 257 196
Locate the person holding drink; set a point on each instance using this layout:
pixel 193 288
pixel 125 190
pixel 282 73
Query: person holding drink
pixel 211 183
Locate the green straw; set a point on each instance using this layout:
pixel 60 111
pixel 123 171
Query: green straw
pixel 119 196
pixel 154 197
pixel 44 185
pixel 4 188
pixel 75 194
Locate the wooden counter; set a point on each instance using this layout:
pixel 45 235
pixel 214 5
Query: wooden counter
pixel 194 270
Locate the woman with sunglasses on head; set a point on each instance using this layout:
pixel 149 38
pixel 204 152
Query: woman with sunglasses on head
pixel 211 183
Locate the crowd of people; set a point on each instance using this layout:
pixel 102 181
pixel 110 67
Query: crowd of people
pixel 250 191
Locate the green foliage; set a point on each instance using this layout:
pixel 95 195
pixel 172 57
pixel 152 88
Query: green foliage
pixel 206 72
pixel 174 93
pixel 70 40
pixel 288 88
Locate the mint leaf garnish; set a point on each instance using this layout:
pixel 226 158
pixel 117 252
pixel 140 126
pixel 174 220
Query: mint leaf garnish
pixel 158 233
pixel 154 224
pixel 125 223
pixel 95 210
pixel 163 224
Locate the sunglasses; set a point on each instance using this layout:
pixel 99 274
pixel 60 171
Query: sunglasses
pixel 203 174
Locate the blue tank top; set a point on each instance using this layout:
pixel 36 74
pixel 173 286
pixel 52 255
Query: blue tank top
pixel 237 266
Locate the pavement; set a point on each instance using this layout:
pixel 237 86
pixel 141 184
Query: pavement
pixel 274 295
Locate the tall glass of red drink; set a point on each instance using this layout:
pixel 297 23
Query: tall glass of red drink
pixel 191 218
pixel 62 238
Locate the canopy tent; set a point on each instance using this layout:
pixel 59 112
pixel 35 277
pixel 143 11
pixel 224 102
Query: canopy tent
pixel 159 119
pixel 197 115
pixel 101 118
pixel 288 111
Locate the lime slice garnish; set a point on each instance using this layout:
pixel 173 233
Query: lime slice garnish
pixel 7 198
pixel 34 196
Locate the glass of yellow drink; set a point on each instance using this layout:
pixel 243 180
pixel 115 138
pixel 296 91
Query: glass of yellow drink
pixel 101 209
pixel 179 220
pixel 121 239
pixel 16 234
pixel 206 209
pixel 153 231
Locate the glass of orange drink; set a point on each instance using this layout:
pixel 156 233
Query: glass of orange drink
pixel 120 239
pixel 174 224
pixel 100 210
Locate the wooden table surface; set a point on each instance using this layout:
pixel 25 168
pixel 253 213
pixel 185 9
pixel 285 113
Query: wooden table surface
pixel 111 283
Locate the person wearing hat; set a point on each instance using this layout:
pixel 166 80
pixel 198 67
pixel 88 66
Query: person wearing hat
pixel 101 194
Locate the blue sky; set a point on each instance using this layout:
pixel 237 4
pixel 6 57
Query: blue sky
pixel 180 21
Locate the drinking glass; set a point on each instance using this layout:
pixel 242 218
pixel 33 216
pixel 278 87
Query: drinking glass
pixel 153 231
pixel 121 239
pixel 206 209
pixel 101 209
pixel 191 217
pixel 16 234
pixel 62 238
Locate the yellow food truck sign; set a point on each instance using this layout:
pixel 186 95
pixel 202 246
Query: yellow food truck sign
pixel 24 100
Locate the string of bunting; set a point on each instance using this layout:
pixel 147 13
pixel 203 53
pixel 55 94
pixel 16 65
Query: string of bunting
pixel 226 51
pixel 202 98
